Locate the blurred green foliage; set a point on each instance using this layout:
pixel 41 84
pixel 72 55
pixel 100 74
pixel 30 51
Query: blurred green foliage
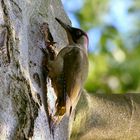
pixel 116 66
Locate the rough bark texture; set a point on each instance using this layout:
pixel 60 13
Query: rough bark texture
pixel 107 117
pixel 22 114
pixel 23 91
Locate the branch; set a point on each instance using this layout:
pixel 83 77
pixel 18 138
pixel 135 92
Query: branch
pixel 100 116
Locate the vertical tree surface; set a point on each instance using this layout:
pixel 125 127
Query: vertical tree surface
pixel 22 113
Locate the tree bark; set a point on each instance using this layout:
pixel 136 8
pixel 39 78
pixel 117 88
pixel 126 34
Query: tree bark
pixel 23 90
pixel 22 112
pixel 107 117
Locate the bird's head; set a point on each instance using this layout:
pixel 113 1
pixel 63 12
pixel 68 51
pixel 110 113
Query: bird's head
pixel 75 35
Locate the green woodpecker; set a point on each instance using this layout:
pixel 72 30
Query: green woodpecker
pixel 68 71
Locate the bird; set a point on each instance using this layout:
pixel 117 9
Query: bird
pixel 69 70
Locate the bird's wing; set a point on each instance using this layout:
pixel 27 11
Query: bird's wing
pixel 74 75
pixel 70 81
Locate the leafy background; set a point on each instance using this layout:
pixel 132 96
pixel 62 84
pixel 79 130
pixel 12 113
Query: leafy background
pixel 113 27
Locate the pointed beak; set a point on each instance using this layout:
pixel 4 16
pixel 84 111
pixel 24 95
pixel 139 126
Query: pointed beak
pixel 68 28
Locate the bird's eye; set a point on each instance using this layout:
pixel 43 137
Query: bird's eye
pixel 78 33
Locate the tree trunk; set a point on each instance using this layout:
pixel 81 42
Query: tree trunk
pixel 22 113
pixel 23 90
